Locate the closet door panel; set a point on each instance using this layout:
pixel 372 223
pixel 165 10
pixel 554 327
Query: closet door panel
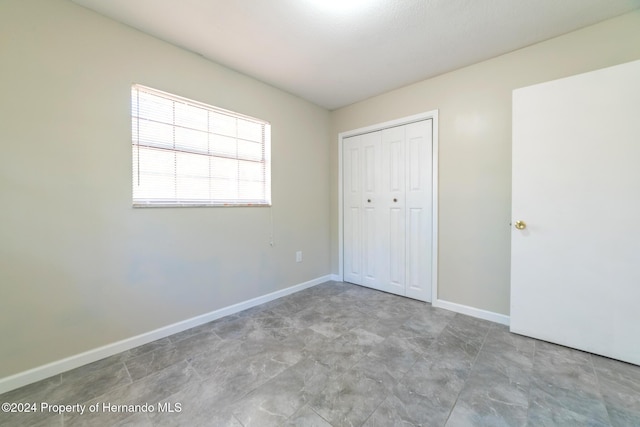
pixel 419 209
pixel 352 210
pixel 369 199
pixel 394 253
pixel 392 203
pixel 370 249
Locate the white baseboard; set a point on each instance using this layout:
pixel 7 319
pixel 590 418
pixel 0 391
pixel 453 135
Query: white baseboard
pixel 45 371
pixel 472 311
pixel 336 277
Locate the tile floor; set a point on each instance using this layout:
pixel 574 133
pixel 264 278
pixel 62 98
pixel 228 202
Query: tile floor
pixel 342 355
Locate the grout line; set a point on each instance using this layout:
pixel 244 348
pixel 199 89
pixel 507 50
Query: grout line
pixel 377 406
pixel 126 368
pixel 595 371
pixel 236 418
pixel 473 364
pixel 316 412
pixel 533 366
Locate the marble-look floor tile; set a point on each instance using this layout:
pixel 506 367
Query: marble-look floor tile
pixel 210 361
pixel 314 375
pixel 275 401
pixel 33 393
pixel 277 356
pixel 483 412
pixel 619 384
pixel 491 398
pixel 382 328
pixel 329 328
pixel 496 391
pixel 237 375
pixel 204 403
pixel 438 379
pixel 418 343
pixel 470 326
pixel 307 339
pixel 449 341
pixel 235 328
pixel 343 302
pixel 551 405
pixel 89 381
pixel 289 307
pixel 510 366
pixel 427 323
pixel 406 408
pixel 349 400
pixel 305 417
pixel 329 289
pixel 561 371
pixel 464 334
pixel 349 318
pixel 397 355
pixel 562 352
pixel 259 310
pixel 185 349
pixel 148 391
pixel 364 339
pixel 622 417
pixel 29 419
pixel 337 355
pixel 196 344
pixel 152 346
pixel 241 366
pixel 204 328
pixel 375 369
pixel 499 340
pixel 135 420
pixel 37 393
pixel 307 317
pixel 393 310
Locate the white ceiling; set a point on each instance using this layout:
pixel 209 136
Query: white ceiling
pixel 336 52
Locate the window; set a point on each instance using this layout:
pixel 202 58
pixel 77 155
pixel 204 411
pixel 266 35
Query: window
pixel 186 153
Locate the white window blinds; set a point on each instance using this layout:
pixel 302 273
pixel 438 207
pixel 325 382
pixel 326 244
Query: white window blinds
pixel 186 153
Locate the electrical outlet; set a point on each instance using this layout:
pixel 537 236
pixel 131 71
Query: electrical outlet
pixel 298 256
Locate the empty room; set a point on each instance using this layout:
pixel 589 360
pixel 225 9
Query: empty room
pixel 319 213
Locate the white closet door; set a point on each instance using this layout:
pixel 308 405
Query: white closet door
pixel 419 212
pixel 372 246
pixel 387 215
pixel 352 209
pixel 361 157
pixel 392 229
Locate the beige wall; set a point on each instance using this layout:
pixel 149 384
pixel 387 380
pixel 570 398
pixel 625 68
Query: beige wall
pixel 474 106
pixel 79 268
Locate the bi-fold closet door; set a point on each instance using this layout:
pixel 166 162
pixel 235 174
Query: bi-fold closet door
pixel 387 196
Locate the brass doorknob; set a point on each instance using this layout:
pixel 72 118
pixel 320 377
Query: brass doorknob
pixel 520 225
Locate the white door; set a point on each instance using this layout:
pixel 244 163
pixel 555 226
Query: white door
pixel 361 183
pixel 352 209
pixel 387 209
pixel 419 209
pixel 575 268
pixel 392 211
pixel 369 199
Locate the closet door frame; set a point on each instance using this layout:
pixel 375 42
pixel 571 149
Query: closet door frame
pixel 433 115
